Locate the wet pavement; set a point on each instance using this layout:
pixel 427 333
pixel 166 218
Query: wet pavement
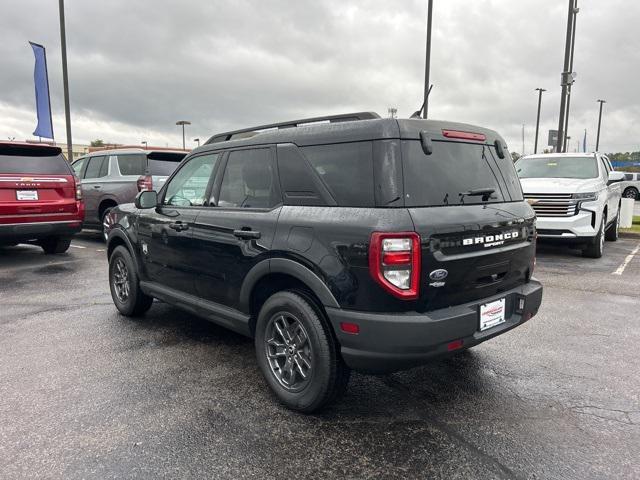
pixel 86 393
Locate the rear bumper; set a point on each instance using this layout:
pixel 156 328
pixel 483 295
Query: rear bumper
pixel 22 232
pixel 392 342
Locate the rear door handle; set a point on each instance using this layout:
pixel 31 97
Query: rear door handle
pixel 178 226
pixel 247 234
pixel 97 186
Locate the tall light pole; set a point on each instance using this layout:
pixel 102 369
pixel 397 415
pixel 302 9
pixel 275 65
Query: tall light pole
pixel 427 65
pixel 197 140
pixel 144 142
pixel 540 90
pixel 183 123
pixel 567 76
pixel 599 123
pixel 65 80
pixel 523 139
pixel 573 45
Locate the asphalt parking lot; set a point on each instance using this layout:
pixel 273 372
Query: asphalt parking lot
pixel 86 393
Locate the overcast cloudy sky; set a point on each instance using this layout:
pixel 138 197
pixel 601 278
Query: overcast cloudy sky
pixel 135 67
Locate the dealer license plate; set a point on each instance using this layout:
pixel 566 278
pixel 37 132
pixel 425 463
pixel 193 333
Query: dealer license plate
pixel 492 314
pixel 27 194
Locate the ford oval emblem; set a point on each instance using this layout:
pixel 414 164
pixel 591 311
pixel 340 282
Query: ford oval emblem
pixel 439 274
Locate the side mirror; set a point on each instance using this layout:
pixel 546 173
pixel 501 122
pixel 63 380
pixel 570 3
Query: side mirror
pixel 146 199
pixel 615 177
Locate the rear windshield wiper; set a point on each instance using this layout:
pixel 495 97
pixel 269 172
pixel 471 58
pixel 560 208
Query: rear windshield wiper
pixel 485 193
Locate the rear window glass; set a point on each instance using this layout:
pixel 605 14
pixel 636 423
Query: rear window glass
pixel 134 164
pixel 453 169
pixel 16 159
pixel 163 164
pixel 162 168
pixel 347 171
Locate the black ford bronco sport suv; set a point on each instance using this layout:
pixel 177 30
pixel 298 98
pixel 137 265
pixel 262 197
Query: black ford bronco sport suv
pixel 337 243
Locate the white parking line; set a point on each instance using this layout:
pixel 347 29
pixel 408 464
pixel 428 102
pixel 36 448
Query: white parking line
pixel 627 260
pixel 77 246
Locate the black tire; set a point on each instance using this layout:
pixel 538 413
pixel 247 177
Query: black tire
pixel 103 223
pixel 328 377
pixel 125 290
pixel 612 232
pixel 631 192
pixel 596 247
pixel 53 245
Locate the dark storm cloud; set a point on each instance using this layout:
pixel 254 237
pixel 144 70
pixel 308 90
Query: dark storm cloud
pixel 138 66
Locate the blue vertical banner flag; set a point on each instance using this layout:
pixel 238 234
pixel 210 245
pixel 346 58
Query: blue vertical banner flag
pixel 43 101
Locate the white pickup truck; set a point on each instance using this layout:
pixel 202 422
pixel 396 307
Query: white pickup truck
pixel 631 185
pixel 576 197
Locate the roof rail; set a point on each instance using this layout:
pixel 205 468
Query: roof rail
pixel 344 117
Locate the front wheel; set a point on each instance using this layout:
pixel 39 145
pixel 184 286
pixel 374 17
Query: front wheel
pixel 124 285
pixel 596 247
pixel 297 353
pixel 53 245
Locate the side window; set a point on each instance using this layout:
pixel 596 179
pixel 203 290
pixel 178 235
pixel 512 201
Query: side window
pixel 248 180
pixel 96 168
pixel 189 186
pixel 347 171
pixel 132 164
pixel 77 166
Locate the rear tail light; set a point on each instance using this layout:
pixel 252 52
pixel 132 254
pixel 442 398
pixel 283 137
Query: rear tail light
pixel 145 182
pixel 78 191
pixel 394 262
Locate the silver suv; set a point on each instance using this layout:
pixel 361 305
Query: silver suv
pixel 111 177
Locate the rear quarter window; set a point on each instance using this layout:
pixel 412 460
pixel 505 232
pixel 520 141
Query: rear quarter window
pixel 347 171
pixel 453 168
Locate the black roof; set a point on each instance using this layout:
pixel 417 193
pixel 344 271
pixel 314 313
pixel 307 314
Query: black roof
pixel 339 129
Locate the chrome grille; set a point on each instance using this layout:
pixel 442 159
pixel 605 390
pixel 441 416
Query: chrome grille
pixel 552 204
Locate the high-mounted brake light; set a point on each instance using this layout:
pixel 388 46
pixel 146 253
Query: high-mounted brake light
pixel 145 183
pixel 478 137
pixel 394 262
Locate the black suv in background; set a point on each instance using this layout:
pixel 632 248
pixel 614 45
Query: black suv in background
pixel 337 243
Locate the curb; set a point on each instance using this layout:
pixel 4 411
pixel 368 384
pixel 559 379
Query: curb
pixel 629 234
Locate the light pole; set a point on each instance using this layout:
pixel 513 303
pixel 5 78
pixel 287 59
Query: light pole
pixel 197 140
pixel 183 123
pixel 523 139
pixel 65 80
pixel 567 76
pixel 540 90
pixel 427 65
pixel 144 143
pixel 599 123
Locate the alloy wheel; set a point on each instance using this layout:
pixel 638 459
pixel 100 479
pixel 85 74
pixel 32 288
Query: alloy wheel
pixel 120 280
pixel 288 351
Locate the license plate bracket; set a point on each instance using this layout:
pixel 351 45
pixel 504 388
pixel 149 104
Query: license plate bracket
pixel 27 195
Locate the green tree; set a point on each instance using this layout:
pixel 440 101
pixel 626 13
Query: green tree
pixel 97 143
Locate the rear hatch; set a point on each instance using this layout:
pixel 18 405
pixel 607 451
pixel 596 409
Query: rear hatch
pixel 477 234
pixel 36 185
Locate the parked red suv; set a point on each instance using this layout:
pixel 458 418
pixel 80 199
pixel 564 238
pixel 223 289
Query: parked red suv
pixel 40 199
